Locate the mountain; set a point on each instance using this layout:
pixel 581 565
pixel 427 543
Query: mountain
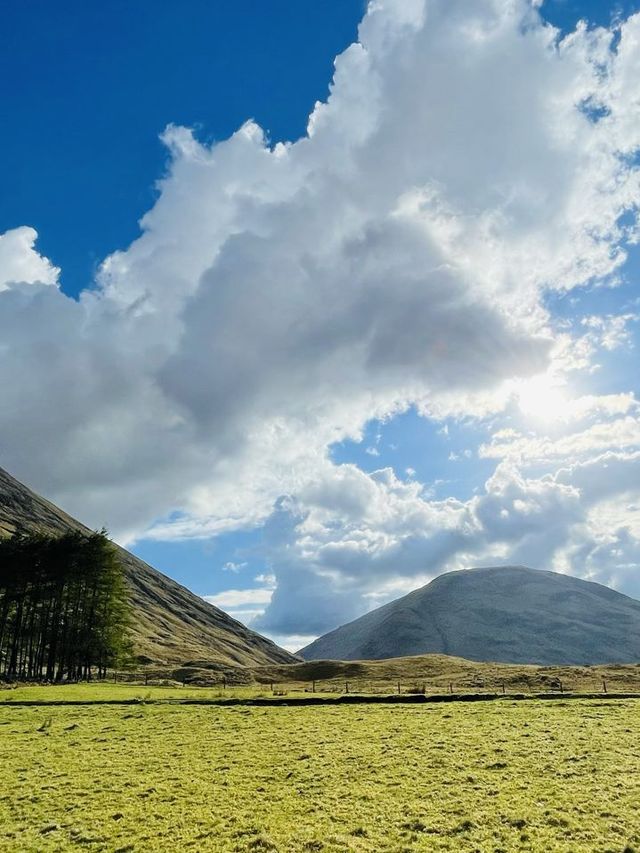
pixel 508 614
pixel 170 625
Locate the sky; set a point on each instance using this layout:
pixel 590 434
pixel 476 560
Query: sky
pixel 308 303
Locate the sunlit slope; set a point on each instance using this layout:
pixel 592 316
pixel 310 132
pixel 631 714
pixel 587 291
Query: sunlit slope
pixel 171 624
pixel 511 614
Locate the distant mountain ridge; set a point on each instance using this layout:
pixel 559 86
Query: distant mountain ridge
pixel 508 614
pixel 171 624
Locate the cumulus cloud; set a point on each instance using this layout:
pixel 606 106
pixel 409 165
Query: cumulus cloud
pixel 622 432
pixel 280 296
pixel 19 261
pixel 332 566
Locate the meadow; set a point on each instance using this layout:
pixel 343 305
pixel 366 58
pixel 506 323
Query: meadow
pixel 550 775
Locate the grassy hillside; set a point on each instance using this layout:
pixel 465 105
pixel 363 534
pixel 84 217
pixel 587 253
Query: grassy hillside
pixel 504 613
pixel 528 776
pixel 433 673
pixel 171 624
pixel 438 672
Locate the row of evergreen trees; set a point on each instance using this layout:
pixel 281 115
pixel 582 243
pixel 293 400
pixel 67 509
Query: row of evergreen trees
pixel 64 609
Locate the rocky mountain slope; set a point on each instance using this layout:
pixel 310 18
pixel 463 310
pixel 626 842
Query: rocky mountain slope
pixel 171 624
pixel 510 614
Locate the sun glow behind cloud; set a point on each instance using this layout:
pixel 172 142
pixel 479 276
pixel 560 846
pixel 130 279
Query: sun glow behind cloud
pixel 543 398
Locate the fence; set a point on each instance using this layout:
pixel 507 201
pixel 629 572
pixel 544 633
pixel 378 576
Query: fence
pixel 539 683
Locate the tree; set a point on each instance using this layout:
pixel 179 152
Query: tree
pixel 64 608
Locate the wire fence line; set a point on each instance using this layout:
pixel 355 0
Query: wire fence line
pixel 383 686
pixel 234 682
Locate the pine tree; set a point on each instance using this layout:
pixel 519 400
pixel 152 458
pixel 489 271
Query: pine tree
pixel 64 608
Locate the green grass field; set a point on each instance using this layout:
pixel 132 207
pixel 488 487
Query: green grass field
pixel 496 776
pixel 98 692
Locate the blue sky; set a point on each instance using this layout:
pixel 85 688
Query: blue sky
pixel 309 368
pixel 99 81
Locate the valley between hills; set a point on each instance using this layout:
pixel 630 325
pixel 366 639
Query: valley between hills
pixel 215 739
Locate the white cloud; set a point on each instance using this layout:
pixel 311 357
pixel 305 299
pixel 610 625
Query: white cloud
pixel 332 567
pixel 234 598
pixel 619 433
pixel 293 642
pixel 611 331
pixel 19 261
pixel 230 566
pixel 280 297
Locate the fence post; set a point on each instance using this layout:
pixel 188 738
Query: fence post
pixel 313 687
pixel 115 676
pixel 450 687
pixel 503 688
pixel 604 685
pixel 346 687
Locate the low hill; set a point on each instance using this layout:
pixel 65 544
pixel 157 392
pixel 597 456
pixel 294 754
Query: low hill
pixel 509 614
pixel 432 674
pixel 171 624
